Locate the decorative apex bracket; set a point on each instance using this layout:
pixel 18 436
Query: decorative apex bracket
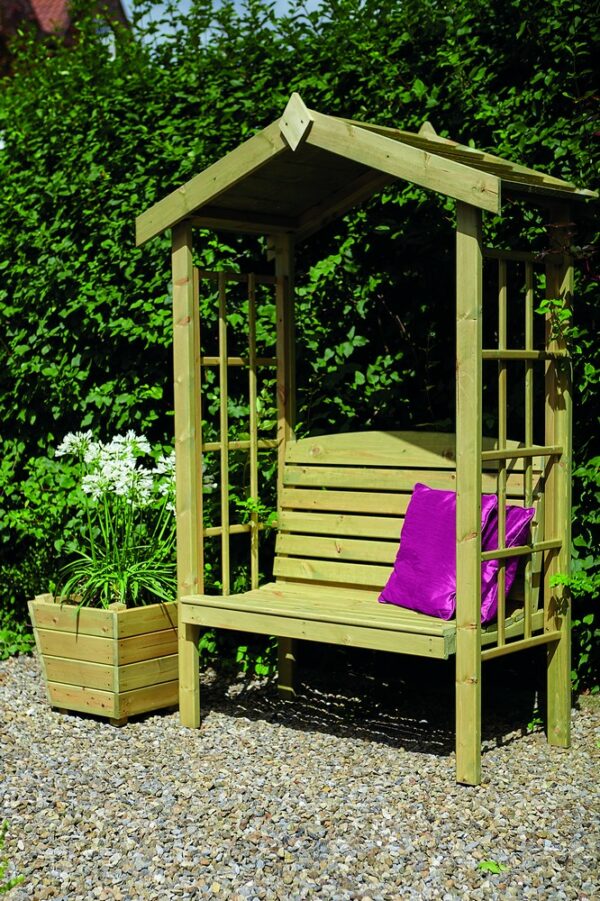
pixel 427 130
pixel 296 122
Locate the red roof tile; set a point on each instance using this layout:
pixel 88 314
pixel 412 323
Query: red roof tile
pixel 52 15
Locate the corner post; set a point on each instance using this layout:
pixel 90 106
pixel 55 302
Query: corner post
pixel 468 492
pixel 283 249
pixel 188 463
pixel 558 417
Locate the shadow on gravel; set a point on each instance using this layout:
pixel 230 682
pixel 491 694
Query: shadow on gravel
pixel 395 700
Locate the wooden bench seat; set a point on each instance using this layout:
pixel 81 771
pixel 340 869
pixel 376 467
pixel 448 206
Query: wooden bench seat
pixel 342 504
pixel 338 616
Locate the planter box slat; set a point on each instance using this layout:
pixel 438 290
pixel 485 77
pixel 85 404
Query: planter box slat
pixel 146 619
pixel 66 618
pixel 84 700
pixel 112 663
pixel 110 704
pixel 153 697
pixel 80 672
pixel 148 672
pixel 143 647
pixel 75 646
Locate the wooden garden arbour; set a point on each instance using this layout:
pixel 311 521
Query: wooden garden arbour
pixel 280 183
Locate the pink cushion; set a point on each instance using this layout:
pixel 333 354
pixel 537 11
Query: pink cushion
pixel 424 574
pixel 517 533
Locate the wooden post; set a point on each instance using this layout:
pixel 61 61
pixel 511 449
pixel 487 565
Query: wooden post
pixel 283 247
pixel 557 600
pixel 186 357
pixel 468 492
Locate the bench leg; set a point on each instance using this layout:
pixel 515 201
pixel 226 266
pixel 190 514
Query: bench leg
pixel 286 668
pixel 559 692
pixel 468 713
pixel 189 675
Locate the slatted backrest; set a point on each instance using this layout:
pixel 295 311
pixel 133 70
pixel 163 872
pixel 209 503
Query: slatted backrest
pixel 345 496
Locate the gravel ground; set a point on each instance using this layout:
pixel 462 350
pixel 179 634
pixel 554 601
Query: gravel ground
pixel 347 794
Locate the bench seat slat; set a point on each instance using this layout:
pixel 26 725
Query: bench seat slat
pixel 338 615
pixel 325 604
pixel 294 626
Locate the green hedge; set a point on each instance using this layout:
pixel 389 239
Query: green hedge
pixel 92 137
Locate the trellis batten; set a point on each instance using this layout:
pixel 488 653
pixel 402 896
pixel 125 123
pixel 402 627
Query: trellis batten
pixel 342 499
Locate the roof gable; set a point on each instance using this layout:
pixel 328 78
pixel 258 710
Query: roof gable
pixel 307 168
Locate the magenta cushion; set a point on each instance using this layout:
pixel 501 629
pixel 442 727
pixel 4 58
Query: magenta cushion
pixel 517 533
pixel 424 574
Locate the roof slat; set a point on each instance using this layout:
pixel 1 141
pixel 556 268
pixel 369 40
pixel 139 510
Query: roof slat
pixel 401 160
pixel 207 185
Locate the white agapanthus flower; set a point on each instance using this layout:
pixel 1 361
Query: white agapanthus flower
pixel 165 465
pixel 112 467
pixel 128 529
pixel 74 443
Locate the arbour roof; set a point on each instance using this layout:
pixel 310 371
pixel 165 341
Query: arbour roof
pixel 306 168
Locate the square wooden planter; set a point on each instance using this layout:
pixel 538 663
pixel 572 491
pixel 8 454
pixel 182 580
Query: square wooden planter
pixel 113 663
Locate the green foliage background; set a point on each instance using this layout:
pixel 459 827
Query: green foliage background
pixel 91 138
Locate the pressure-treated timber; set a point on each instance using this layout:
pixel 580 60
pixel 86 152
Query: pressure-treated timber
pixel 238 361
pixel 283 250
pixel 341 477
pixel 205 187
pixel 558 419
pixel 224 437
pixel 339 202
pixel 250 223
pixel 288 181
pixel 306 168
pixel 502 430
pixel 231 276
pixel 471 156
pixel 217 446
pixel 188 460
pixel 109 662
pixel 529 302
pixel 330 566
pixel 507 354
pixel 253 427
pixel 296 121
pixel 523 644
pixel 405 161
pixel 522 550
pixel 468 492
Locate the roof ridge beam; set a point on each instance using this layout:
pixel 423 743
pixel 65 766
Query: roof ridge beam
pixel 296 122
pixel 424 168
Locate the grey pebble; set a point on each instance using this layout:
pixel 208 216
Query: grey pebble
pixel 337 796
